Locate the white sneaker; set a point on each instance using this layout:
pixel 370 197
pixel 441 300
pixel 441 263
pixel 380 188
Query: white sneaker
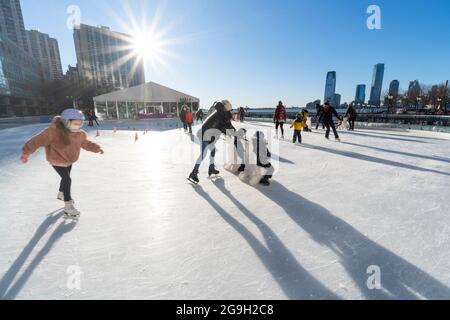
pixel 70 210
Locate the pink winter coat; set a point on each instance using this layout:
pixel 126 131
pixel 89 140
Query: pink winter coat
pixel 57 153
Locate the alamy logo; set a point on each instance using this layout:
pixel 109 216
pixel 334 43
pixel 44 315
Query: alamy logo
pixel 74 278
pixel 74 19
pixel 374 280
pixel 374 20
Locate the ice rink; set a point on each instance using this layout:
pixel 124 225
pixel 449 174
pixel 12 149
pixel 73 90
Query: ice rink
pixel 379 200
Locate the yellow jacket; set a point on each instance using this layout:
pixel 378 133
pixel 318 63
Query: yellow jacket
pixel 300 125
pixel 297 125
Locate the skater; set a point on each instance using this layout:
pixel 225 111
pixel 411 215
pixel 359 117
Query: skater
pixel 280 118
pixel 241 114
pixel 183 117
pixel 199 116
pixel 63 141
pixel 95 118
pixel 352 115
pixel 327 118
pixel 299 124
pixel 218 123
pixel 189 119
pixel 90 119
pixel 319 109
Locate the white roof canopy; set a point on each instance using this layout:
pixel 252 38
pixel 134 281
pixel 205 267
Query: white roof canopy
pixel 147 92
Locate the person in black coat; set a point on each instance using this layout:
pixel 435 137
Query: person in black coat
pixel 199 115
pixel 327 118
pixel 319 109
pixel 352 115
pixel 218 123
pixel 241 114
pixel 183 117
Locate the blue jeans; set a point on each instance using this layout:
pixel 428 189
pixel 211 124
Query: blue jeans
pixel 206 145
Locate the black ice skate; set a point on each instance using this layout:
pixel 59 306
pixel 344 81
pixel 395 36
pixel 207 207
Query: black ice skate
pixel 193 177
pixel 213 171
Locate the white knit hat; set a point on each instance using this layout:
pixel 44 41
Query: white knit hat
pixel 227 105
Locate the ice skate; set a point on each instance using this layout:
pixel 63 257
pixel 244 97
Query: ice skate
pixel 213 171
pixel 193 177
pixel 265 182
pixel 70 212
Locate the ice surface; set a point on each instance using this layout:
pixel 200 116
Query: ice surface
pixel 379 198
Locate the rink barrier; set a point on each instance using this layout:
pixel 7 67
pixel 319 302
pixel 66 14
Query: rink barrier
pixel 381 122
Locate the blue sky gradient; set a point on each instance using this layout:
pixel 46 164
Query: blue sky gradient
pixel 255 52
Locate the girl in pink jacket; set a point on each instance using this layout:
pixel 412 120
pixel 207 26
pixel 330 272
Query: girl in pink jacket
pixel 63 141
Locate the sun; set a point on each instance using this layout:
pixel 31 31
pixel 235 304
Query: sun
pixel 147 46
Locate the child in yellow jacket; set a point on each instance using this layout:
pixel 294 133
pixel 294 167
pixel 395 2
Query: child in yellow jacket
pixel 299 124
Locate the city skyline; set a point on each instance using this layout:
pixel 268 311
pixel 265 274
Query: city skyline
pixel 297 78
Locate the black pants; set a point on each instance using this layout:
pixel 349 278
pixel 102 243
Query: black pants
pixel 66 181
pixel 281 126
pixel 351 122
pixel 332 126
pixel 297 136
pixel 189 126
pixel 317 125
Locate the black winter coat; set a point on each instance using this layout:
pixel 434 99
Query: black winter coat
pixel 327 115
pixel 219 120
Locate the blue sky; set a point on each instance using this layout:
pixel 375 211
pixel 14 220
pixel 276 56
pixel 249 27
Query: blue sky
pixel 256 52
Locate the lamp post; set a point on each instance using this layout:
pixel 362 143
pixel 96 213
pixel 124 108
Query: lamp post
pixel 390 97
pixel 439 100
pixel 418 102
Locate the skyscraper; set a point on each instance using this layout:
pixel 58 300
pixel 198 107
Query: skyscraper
pixel 11 23
pixel 336 100
pixel 377 85
pixel 414 88
pixel 46 50
pixel 360 96
pixel 106 58
pixel 330 86
pixel 19 70
pixel 72 74
pixel 394 88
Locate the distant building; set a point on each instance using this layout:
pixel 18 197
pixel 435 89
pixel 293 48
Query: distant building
pixel 72 74
pixel 394 88
pixel 312 105
pixel 19 70
pixel 336 102
pixel 11 23
pixel 360 96
pixel 19 73
pixel 106 58
pixel 330 86
pixel 414 88
pixel 377 85
pixel 46 50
